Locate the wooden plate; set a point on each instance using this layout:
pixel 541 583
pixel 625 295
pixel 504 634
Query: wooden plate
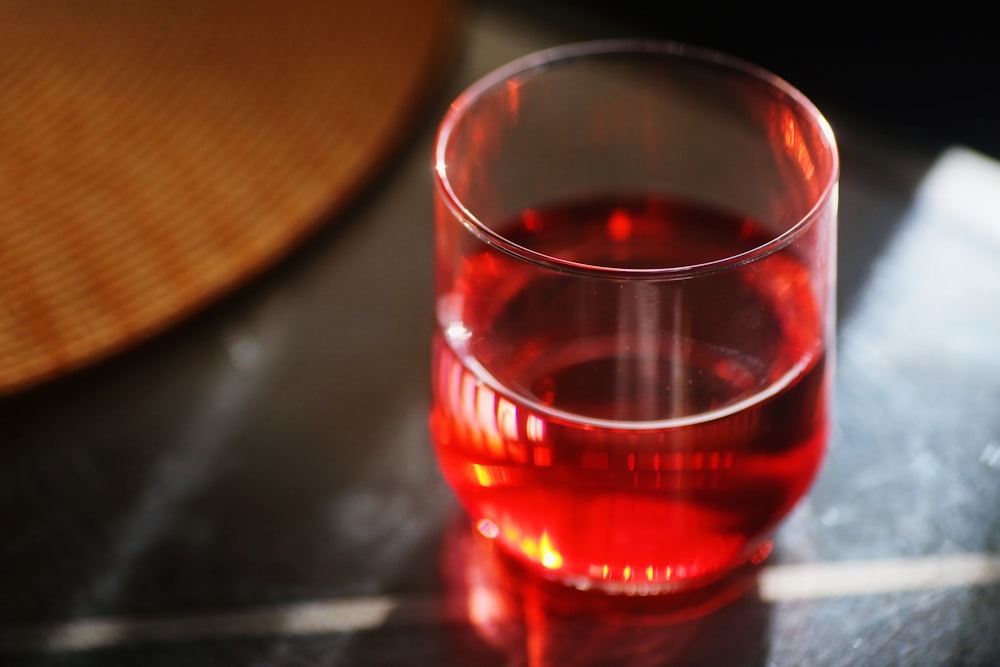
pixel 156 153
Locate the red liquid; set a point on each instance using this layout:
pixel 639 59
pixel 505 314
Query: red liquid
pixel 631 436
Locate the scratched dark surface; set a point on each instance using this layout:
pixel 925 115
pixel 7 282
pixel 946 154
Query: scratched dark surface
pixel 273 449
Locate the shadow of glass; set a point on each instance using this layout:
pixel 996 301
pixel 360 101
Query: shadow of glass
pixel 537 623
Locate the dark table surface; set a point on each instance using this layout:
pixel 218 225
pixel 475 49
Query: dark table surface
pixel 257 487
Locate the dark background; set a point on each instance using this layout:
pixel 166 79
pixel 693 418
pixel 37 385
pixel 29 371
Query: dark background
pixel 920 72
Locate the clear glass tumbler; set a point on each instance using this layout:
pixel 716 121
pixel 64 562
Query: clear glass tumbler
pixel 635 275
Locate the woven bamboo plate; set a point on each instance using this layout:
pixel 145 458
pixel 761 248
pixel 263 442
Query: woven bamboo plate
pixel 156 153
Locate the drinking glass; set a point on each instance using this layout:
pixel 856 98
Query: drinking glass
pixel 635 275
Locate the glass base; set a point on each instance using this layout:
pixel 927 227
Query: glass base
pixel 489 568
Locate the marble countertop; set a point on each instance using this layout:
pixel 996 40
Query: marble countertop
pixel 257 486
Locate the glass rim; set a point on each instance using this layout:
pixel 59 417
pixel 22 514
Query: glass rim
pixel 562 54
